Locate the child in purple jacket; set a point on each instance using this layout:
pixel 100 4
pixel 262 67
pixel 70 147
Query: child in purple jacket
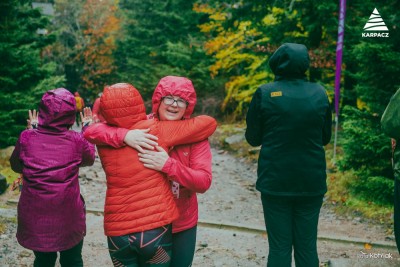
pixel 51 211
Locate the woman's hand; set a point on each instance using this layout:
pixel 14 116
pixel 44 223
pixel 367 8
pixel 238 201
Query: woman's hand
pixel 154 159
pixel 140 140
pixel 33 121
pixel 86 117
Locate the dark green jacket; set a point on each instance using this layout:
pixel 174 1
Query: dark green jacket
pixel 396 160
pixel 391 127
pixel 291 119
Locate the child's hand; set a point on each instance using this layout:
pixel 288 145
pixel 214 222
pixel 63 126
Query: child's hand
pixel 33 121
pixel 86 117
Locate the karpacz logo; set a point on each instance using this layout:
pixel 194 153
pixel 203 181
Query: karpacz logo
pixel 376 24
pixel 375 34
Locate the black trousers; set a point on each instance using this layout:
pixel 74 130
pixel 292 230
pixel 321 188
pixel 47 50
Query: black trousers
pixel 183 247
pixel 292 225
pixel 396 216
pixel 68 258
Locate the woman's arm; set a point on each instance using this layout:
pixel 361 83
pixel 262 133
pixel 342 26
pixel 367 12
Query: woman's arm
pixel 15 161
pixel 327 130
pixel 189 131
pixel 254 127
pixel 103 134
pixel 196 178
pixel 88 152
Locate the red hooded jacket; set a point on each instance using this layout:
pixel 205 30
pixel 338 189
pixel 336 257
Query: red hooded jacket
pixel 138 199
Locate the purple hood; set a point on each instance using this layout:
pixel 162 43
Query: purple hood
pixel 57 110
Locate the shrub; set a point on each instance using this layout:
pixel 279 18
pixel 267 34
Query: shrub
pixel 376 189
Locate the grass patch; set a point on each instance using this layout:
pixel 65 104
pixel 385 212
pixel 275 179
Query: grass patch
pixel 5 168
pixel 3 228
pixel 9 174
pixel 344 202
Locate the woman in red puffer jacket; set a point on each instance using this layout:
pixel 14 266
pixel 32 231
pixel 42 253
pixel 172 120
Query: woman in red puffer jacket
pixel 198 179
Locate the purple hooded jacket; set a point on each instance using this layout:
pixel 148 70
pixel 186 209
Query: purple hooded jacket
pixel 51 212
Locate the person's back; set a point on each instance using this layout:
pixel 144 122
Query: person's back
pixel 295 118
pixel 51 214
pixel 291 119
pixel 138 198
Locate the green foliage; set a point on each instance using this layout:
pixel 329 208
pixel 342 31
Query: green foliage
pixel 161 38
pixel 86 32
pixel 365 148
pixel 370 80
pixel 374 188
pixel 24 76
pixel 242 36
pixel 378 81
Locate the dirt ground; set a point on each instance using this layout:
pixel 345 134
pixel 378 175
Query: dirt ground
pixel 231 228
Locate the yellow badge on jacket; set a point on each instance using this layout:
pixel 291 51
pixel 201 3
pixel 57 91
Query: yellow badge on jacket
pixel 275 94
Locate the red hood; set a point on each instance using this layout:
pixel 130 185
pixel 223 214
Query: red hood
pixel 177 86
pixel 57 110
pixel 122 105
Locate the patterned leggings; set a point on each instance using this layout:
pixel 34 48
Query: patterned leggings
pixel 144 249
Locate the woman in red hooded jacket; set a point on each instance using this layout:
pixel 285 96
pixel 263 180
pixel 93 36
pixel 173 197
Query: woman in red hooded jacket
pixel 188 167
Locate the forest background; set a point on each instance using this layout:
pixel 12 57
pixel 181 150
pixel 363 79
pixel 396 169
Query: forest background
pixel 223 47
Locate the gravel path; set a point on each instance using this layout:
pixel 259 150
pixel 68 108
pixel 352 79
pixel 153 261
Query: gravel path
pixel 231 229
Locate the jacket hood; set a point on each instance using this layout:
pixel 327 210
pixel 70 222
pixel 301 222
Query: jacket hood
pixel 122 105
pixel 57 110
pixel 290 61
pixel 177 86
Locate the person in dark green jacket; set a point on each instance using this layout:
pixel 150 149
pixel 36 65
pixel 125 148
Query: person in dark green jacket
pixel 390 122
pixel 291 119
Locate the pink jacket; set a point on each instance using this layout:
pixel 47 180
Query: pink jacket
pixel 188 165
pixel 51 211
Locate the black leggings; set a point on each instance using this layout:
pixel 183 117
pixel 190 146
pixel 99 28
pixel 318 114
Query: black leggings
pixel 144 249
pixel 70 258
pixel 183 246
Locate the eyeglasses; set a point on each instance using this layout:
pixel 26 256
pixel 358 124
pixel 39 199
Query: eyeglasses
pixel 168 100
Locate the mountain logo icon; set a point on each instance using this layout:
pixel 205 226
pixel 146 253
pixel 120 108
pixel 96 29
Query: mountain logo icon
pixel 375 22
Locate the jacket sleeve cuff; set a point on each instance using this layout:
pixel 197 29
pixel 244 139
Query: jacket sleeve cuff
pixel 168 166
pixel 121 133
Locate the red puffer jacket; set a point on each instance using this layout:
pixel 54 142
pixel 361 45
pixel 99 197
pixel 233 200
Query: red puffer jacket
pixel 139 199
